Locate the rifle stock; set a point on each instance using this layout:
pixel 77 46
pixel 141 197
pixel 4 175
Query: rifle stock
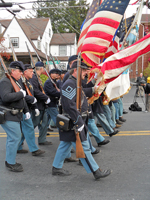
pixel 15 59
pixel 15 86
pixel 33 66
pixel 79 148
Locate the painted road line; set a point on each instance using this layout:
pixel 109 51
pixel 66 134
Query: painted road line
pixel 121 133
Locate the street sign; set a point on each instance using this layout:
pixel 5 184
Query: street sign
pixel 51 63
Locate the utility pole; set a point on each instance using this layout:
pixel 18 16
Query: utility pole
pixel 5 4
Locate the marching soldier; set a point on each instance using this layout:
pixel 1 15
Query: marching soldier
pixel 68 138
pixel 27 125
pixel 42 101
pixel 60 81
pixel 54 93
pixel 70 61
pixel 15 102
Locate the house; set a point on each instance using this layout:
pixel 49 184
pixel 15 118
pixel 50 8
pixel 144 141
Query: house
pixel 39 36
pixel 62 46
pixel 36 33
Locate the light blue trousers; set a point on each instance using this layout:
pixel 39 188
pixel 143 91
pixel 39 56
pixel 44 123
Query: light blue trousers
pixel 28 134
pixel 117 110
pixel 63 150
pixel 103 121
pixel 120 107
pixel 13 132
pixel 41 122
pixel 94 131
pixel 107 113
pixel 113 112
pixel 52 112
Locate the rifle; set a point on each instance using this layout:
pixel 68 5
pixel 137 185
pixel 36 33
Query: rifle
pixel 48 73
pixel 15 59
pixel 79 148
pixel 52 60
pixel 15 86
pixel 33 66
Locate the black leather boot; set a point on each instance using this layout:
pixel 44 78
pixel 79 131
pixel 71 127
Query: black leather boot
pixel 101 174
pixel 60 172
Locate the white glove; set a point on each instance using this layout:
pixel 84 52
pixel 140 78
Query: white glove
pixel 95 76
pixel 35 100
pixel 81 128
pixel 48 101
pixel 37 112
pixel 23 92
pixel 27 116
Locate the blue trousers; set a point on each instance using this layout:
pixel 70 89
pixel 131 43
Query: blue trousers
pixel 90 143
pixel 113 112
pixel 28 134
pixel 103 121
pixel 120 107
pixel 107 113
pixel 52 112
pixel 13 132
pixel 94 131
pixel 117 110
pixel 63 150
pixel 41 122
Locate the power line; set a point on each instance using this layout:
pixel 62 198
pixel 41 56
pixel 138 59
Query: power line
pixel 39 1
pixel 42 8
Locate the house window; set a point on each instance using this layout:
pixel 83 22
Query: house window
pixel 39 44
pixel 62 50
pixel 15 42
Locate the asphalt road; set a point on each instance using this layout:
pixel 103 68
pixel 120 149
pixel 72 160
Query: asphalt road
pixel 128 155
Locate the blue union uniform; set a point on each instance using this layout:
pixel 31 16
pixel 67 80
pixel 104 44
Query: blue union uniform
pixel 41 120
pixel 12 99
pixel 68 138
pixel 54 95
pixel 27 124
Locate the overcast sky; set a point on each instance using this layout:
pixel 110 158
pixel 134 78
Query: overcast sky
pixel 6 15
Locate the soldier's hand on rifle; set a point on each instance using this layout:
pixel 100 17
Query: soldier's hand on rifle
pixel 48 101
pixel 81 128
pixel 23 92
pixel 37 112
pixel 28 115
pixel 58 89
pixel 35 100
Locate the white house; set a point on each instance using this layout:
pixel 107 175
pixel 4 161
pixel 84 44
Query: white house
pixel 38 34
pixel 62 46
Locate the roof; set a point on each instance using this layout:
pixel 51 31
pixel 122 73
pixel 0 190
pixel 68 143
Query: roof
pixel 5 22
pixel 33 27
pixel 63 38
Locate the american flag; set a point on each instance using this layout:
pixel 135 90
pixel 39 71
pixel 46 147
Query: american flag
pixel 118 63
pixel 93 9
pixel 119 35
pixel 102 29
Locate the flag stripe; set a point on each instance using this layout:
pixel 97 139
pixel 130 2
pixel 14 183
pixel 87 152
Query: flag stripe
pixel 86 25
pixel 105 21
pixel 104 25
pixel 119 62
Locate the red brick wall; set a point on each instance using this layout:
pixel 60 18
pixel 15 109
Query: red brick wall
pixel 133 72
